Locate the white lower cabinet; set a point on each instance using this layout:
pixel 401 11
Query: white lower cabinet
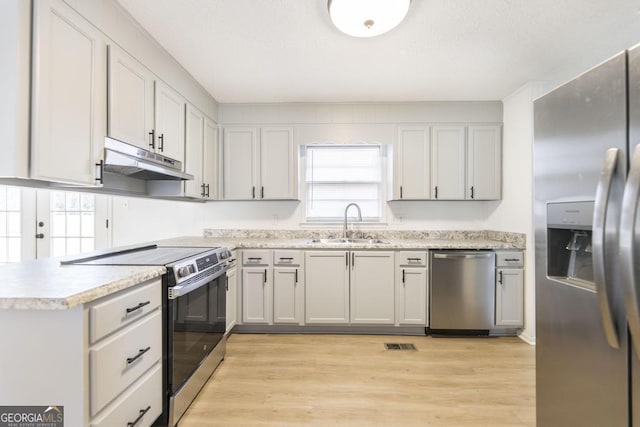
pixel 257 287
pixel 326 287
pixel 288 287
pixel 102 360
pixel 510 289
pixel 372 287
pixel 412 288
pixel 232 294
pixel 510 297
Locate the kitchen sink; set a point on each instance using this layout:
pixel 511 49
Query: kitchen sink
pixel 349 241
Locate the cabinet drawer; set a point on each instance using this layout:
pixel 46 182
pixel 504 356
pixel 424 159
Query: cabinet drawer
pixel 287 257
pixel 115 311
pixel 114 364
pixel 256 257
pixel 509 259
pixel 145 393
pixel 413 258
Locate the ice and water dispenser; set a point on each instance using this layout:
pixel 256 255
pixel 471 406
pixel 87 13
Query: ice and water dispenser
pixel 569 242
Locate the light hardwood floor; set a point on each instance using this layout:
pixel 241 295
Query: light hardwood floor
pixel 351 380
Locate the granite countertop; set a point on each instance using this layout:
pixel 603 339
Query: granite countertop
pixel 46 284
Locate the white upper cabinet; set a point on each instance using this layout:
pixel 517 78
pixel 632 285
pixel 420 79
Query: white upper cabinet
pixel 130 103
pixel 277 164
pixel 259 164
pixel 413 165
pixel 68 99
pixel 239 164
pixel 484 163
pixel 193 162
pixel 448 162
pixel 169 122
pixel 210 160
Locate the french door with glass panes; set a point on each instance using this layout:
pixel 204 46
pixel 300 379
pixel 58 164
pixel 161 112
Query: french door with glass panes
pixel 69 223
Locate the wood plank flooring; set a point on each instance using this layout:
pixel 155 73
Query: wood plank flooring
pixel 351 380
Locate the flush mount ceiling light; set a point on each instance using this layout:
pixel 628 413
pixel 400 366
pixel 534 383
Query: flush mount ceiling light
pixel 367 18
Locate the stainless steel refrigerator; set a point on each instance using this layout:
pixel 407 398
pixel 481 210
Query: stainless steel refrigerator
pixel 587 243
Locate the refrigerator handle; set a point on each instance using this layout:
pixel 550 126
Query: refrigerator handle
pixel 629 269
pixel 600 220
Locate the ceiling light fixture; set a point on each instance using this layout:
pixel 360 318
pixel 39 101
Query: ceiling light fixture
pixel 367 18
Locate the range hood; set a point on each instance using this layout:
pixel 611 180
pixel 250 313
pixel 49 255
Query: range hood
pixel 135 162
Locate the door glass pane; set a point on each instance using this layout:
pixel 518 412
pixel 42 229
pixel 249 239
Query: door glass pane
pixel 72 223
pixel 10 224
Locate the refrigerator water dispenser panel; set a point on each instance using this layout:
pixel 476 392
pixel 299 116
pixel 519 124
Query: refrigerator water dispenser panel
pixel 569 257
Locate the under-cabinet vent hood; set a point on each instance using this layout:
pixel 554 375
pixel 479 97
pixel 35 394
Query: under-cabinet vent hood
pixel 126 159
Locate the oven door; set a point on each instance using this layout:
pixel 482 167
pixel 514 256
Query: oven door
pixel 196 327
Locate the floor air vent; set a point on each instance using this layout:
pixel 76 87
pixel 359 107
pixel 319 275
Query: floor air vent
pixel 394 346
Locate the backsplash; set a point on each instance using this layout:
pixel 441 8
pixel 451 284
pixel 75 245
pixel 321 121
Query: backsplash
pixel 518 239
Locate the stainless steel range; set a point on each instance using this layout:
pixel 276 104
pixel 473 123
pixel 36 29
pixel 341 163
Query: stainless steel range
pixel 194 316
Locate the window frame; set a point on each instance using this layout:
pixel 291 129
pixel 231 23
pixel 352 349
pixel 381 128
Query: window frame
pixel 370 222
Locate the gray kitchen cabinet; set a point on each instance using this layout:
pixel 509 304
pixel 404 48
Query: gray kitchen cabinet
pixel 193 162
pixel 509 289
pixel 412 179
pixel 232 292
pixel 372 287
pixel 143 110
pixel 259 164
pixel 210 159
pixel 68 96
pixel 326 287
pixel 257 287
pixel 288 287
pixel 448 162
pixel 484 163
pixel 412 288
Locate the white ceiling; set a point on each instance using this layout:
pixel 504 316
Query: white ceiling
pixel 289 51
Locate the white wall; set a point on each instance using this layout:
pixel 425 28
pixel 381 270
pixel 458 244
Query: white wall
pixel 515 212
pixel 139 220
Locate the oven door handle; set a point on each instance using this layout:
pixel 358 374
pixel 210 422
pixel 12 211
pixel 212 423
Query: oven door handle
pixel 181 290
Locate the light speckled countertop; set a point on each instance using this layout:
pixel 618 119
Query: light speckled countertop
pixel 47 285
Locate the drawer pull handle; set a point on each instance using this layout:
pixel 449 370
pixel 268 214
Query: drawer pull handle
pixel 142 351
pixel 137 420
pixel 414 259
pixel 286 259
pixel 254 259
pixel 512 259
pixel 138 307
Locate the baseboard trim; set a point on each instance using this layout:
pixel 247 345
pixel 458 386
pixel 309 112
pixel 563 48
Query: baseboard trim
pixel 529 340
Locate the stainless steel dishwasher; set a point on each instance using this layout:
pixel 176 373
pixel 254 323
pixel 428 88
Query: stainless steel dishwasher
pixel 462 292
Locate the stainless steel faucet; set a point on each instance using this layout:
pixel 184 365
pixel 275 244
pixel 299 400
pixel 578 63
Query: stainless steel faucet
pixel 344 228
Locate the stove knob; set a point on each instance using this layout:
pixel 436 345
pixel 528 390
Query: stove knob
pixel 185 271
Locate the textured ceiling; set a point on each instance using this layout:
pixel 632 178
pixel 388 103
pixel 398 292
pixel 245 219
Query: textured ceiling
pixel 289 51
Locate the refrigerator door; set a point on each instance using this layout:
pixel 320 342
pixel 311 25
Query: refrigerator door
pixel 580 378
pixel 634 140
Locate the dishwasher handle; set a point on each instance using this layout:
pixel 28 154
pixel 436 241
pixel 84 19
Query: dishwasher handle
pixel 463 256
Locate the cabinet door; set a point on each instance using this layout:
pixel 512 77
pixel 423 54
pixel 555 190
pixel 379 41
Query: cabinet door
pixel 510 297
pixel 170 122
pixel 288 296
pixel 238 153
pixel 256 291
pixel 448 162
pixel 194 150
pixel 69 83
pixel 277 164
pixel 372 287
pixel 130 103
pixel 411 296
pixel 326 287
pixel 232 295
pixel 413 165
pixel 210 159
pixel 484 163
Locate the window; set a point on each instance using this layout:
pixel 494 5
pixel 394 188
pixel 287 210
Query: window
pixel 72 223
pixel 10 224
pixel 337 175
